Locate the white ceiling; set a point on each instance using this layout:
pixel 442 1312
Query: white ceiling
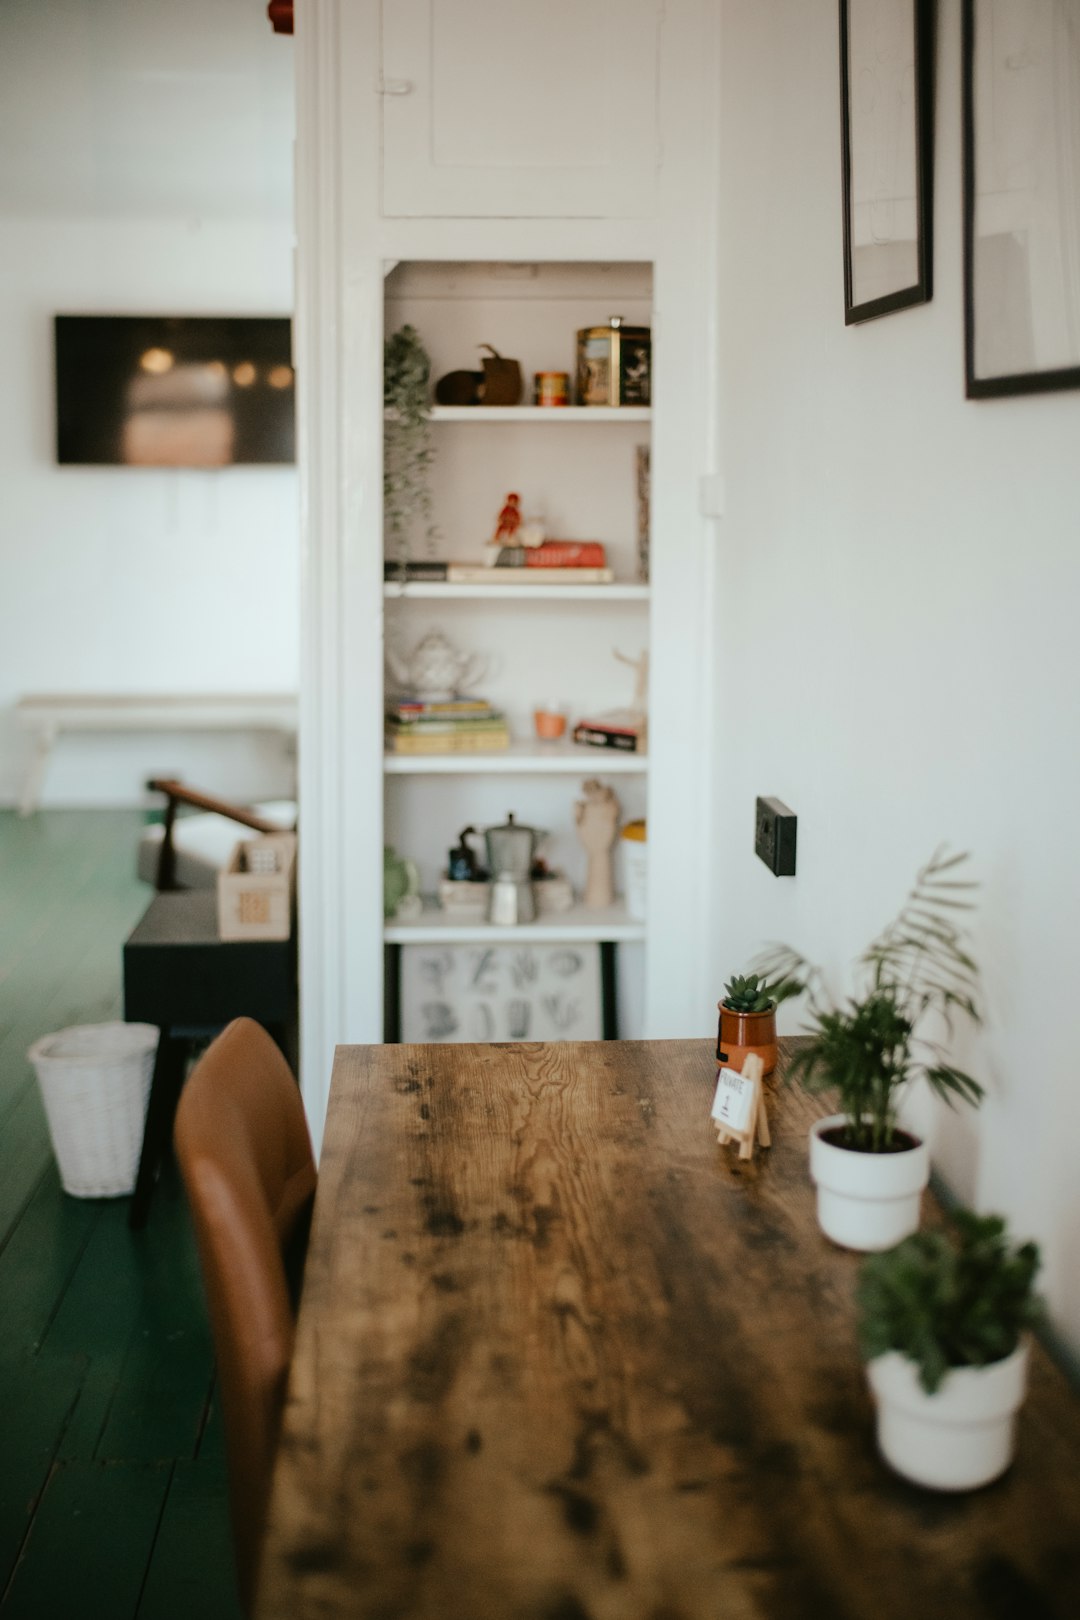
pixel 144 107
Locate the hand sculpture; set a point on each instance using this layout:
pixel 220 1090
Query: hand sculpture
pixel 597 819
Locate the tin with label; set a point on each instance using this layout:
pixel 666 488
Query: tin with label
pixel 614 364
pixel 552 388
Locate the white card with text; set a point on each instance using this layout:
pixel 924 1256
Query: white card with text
pixel 733 1101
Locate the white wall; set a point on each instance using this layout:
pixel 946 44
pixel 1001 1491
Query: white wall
pixel 145 168
pixel 899 575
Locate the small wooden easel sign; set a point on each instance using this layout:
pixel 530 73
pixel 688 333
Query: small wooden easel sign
pixel 738 1108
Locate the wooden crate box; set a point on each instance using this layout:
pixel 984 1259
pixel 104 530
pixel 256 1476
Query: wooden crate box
pixel 256 890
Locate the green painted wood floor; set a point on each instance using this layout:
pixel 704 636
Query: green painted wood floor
pixel 112 1473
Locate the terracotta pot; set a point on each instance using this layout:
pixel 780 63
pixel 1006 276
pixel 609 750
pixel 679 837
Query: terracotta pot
pixel 744 1034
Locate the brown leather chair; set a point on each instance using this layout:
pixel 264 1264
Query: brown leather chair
pixel 245 1156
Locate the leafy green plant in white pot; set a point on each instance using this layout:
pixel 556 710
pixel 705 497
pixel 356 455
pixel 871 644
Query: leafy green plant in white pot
pixel 943 1328
pixel 913 980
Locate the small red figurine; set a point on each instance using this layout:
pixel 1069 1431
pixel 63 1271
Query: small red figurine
pixel 509 521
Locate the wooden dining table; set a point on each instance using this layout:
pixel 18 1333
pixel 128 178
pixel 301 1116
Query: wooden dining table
pixel 561 1356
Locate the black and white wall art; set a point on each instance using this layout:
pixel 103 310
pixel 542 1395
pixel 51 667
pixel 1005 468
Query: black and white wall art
pixel 886 85
pixel 511 992
pixel 1021 195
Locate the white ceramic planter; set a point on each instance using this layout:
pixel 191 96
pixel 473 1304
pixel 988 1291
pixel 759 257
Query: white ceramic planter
pixel 866 1201
pixel 957 1439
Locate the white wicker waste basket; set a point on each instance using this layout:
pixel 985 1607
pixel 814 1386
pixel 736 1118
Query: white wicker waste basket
pixel 95 1082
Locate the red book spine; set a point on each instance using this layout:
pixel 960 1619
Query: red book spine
pixel 566 554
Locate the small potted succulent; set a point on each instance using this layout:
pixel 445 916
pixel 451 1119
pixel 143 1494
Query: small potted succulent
pixel 914 979
pixel 748 1020
pixel 943 1328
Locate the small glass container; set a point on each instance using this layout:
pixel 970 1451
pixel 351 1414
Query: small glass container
pixel 549 718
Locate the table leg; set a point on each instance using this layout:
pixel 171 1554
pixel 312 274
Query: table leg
pixel 609 990
pixel 391 993
pixel 168 1077
pixel 35 774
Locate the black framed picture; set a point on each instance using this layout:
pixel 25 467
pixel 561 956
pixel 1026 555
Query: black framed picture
pixel 886 90
pixel 1021 197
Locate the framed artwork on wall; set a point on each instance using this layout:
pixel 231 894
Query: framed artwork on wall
pixel 886 100
pixel 496 992
pixel 1021 197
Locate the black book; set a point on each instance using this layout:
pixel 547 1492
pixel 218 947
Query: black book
pixel 401 573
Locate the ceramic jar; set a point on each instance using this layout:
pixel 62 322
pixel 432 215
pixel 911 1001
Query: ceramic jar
pixel 960 1437
pixel 866 1201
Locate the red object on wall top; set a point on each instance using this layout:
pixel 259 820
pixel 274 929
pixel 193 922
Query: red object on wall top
pixel 280 13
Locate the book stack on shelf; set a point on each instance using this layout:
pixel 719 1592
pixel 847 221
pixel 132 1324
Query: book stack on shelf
pixel 615 728
pixel 554 562
pixel 458 725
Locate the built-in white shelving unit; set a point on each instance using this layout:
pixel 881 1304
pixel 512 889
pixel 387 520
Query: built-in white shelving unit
pixel 410 213
pixel 536 641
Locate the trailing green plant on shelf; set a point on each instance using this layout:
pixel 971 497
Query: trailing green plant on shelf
pixel 913 981
pixel 407 447
pixel 946 1299
pixel 749 993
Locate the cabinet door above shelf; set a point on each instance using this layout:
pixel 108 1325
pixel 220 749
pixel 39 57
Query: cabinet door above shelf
pixel 506 109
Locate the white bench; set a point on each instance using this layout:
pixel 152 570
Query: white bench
pixel 48 714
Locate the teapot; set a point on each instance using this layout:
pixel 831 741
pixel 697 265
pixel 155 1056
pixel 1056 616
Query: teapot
pixel 435 671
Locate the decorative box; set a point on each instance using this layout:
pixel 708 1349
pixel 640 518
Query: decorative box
pixel 256 890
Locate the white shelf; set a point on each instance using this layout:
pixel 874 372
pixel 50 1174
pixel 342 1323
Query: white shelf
pixel 541 413
pixel 522 759
pixel 443 591
pixel 431 927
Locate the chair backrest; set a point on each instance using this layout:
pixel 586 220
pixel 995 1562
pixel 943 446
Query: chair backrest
pixel 245 1156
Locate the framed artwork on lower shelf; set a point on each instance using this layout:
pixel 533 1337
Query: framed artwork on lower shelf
pixel 512 992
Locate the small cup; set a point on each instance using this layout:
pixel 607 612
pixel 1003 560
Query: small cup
pixel 550 721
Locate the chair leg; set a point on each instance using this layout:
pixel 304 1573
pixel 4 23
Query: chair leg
pixel 168 1077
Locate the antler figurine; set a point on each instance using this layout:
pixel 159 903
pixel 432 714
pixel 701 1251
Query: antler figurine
pixel 640 666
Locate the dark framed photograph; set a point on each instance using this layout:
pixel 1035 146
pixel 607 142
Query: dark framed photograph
pixel 1021 197
pixel 887 116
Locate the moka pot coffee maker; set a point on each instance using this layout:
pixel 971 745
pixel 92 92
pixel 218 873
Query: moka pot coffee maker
pixel 511 850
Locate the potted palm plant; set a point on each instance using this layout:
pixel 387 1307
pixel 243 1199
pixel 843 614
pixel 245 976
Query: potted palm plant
pixel 913 980
pixel 943 1328
pixel 748 1020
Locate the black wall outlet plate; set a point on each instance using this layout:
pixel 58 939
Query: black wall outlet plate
pixel 774 836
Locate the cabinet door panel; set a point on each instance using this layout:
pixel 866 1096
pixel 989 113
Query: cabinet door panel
pixel 502 108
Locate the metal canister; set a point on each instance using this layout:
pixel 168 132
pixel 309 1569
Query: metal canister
pixel 614 364
pixel 552 388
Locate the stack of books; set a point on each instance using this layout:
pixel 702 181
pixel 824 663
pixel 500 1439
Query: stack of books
pixel 458 725
pixel 556 562
pixel 615 728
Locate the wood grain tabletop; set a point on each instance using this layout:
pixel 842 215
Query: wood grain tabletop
pixel 561 1357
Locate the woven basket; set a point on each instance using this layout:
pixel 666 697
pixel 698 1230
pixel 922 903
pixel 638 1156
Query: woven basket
pixel 95 1082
